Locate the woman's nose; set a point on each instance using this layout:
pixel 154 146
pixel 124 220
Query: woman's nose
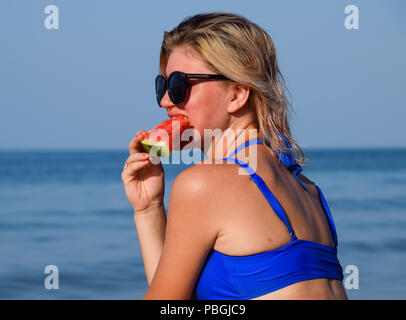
pixel 166 101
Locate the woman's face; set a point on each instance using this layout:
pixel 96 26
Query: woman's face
pixel 205 101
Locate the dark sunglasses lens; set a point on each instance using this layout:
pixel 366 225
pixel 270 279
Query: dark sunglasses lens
pixel 177 87
pixel 159 88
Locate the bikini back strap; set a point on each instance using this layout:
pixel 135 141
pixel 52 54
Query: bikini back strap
pixel 242 146
pixel 273 202
pixel 285 157
pixel 289 161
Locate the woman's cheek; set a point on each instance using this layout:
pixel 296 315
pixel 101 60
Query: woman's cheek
pixel 195 125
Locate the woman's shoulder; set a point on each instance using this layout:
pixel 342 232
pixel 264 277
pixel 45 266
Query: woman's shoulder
pixel 210 174
pixel 220 173
pixel 204 180
pixel 200 192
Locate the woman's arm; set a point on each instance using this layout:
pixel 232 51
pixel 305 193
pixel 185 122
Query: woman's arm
pixel 151 225
pixel 144 187
pixel 191 231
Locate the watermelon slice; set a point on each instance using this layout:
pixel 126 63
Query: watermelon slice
pixel 162 136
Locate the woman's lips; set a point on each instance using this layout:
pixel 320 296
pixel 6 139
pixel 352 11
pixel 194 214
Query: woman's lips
pixel 173 115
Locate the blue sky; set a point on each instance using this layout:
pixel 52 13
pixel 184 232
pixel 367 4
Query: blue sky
pixel 89 85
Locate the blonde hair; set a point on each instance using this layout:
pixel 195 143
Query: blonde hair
pixel 235 47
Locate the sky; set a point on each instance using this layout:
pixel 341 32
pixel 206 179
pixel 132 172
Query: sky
pixel 90 84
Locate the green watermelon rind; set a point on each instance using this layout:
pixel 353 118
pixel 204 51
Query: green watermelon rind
pixel 162 149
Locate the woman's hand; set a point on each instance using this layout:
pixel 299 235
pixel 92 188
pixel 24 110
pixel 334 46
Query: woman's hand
pixel 143 181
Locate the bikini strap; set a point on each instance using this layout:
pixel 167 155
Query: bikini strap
pixel 289 161
pixel 242 146
pixel 274 203
pixel 285 157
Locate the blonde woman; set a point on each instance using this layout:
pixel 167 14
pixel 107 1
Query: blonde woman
pixel 267 234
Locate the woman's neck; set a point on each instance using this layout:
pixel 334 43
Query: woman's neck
pixel 221 145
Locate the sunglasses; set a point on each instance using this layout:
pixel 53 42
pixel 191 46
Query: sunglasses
pixel 176 85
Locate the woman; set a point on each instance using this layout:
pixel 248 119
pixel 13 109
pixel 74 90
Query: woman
pixel 231 236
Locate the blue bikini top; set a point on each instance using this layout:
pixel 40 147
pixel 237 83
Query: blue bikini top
pixel 246 277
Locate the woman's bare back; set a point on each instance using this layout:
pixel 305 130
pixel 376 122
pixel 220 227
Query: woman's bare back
pixel 250 226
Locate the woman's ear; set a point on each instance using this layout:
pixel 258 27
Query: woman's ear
pixel 239 95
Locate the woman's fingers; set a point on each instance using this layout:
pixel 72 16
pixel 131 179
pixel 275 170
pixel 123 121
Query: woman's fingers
pixel 136 160
pixel 132 168
pixel 135 144
pixel 137 157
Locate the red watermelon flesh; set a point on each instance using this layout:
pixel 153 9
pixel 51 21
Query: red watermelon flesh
pixel 161 137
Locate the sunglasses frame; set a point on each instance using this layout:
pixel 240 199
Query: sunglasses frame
pixel 184 77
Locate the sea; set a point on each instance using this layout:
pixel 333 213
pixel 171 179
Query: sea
pixel 67 229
